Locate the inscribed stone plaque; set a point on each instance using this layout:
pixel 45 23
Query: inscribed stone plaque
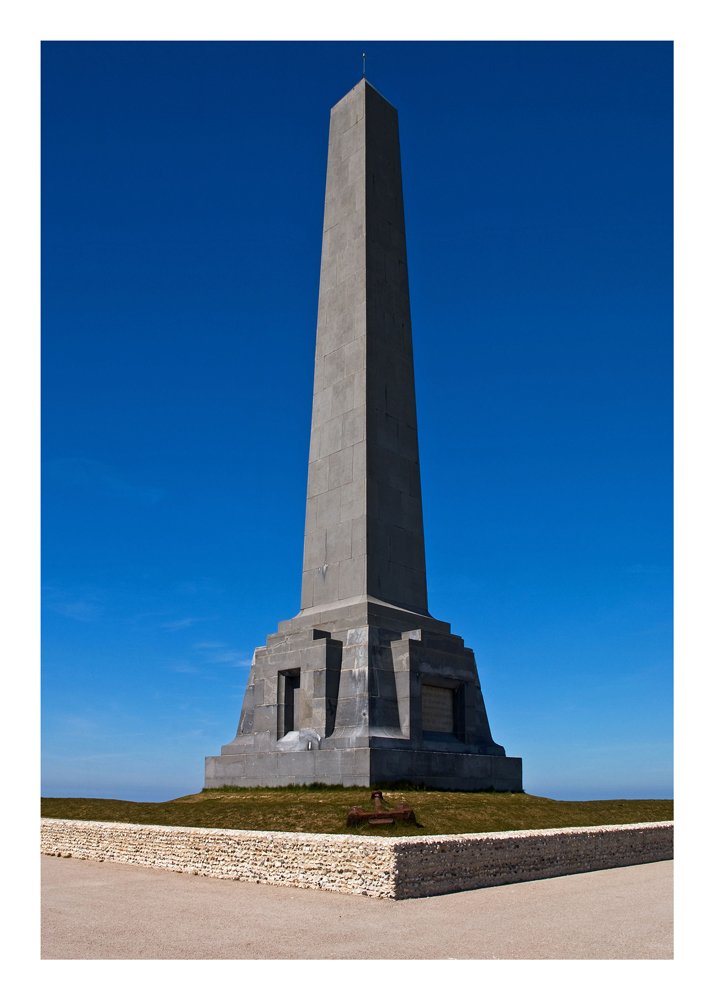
pixel 437 709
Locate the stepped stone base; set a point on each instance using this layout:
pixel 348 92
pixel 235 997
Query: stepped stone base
pixel 337 696
pixel 366 766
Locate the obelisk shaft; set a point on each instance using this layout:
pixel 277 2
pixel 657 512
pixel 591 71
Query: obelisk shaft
pixel 364 535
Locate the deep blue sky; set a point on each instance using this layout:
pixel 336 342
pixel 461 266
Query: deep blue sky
pixel 183 191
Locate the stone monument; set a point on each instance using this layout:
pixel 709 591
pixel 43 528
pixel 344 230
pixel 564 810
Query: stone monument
pixel 363 686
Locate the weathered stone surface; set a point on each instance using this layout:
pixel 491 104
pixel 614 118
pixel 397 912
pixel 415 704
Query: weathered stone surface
pixel 336 694
pixel 364 534
pixel 396 868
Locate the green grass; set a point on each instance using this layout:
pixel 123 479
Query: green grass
pixel 321 809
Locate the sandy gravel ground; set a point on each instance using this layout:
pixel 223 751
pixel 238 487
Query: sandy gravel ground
pixel 94 910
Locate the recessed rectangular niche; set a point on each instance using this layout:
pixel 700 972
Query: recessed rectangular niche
pixel 288 701
pixel 437 709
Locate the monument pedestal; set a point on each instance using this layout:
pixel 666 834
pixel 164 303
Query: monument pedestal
pixel 378 694
pixel 460 772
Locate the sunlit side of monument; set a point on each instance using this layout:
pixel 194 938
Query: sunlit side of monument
pixel 363 686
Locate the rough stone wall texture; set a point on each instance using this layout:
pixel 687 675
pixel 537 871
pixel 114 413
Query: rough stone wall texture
pixel 395 868
pixel 341 863
pixel 430 866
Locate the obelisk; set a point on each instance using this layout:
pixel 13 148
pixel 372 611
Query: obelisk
pixel 363 685
pixel 364 533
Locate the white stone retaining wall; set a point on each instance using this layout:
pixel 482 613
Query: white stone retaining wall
pixel 429 866
pixel 339 862
pixel 391 867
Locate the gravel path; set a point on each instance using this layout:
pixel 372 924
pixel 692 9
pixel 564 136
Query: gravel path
pixel 94 910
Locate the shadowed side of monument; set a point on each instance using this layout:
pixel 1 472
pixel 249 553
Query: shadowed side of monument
pixel 363 685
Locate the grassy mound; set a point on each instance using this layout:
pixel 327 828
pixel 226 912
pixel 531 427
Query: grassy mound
pixel 323 809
